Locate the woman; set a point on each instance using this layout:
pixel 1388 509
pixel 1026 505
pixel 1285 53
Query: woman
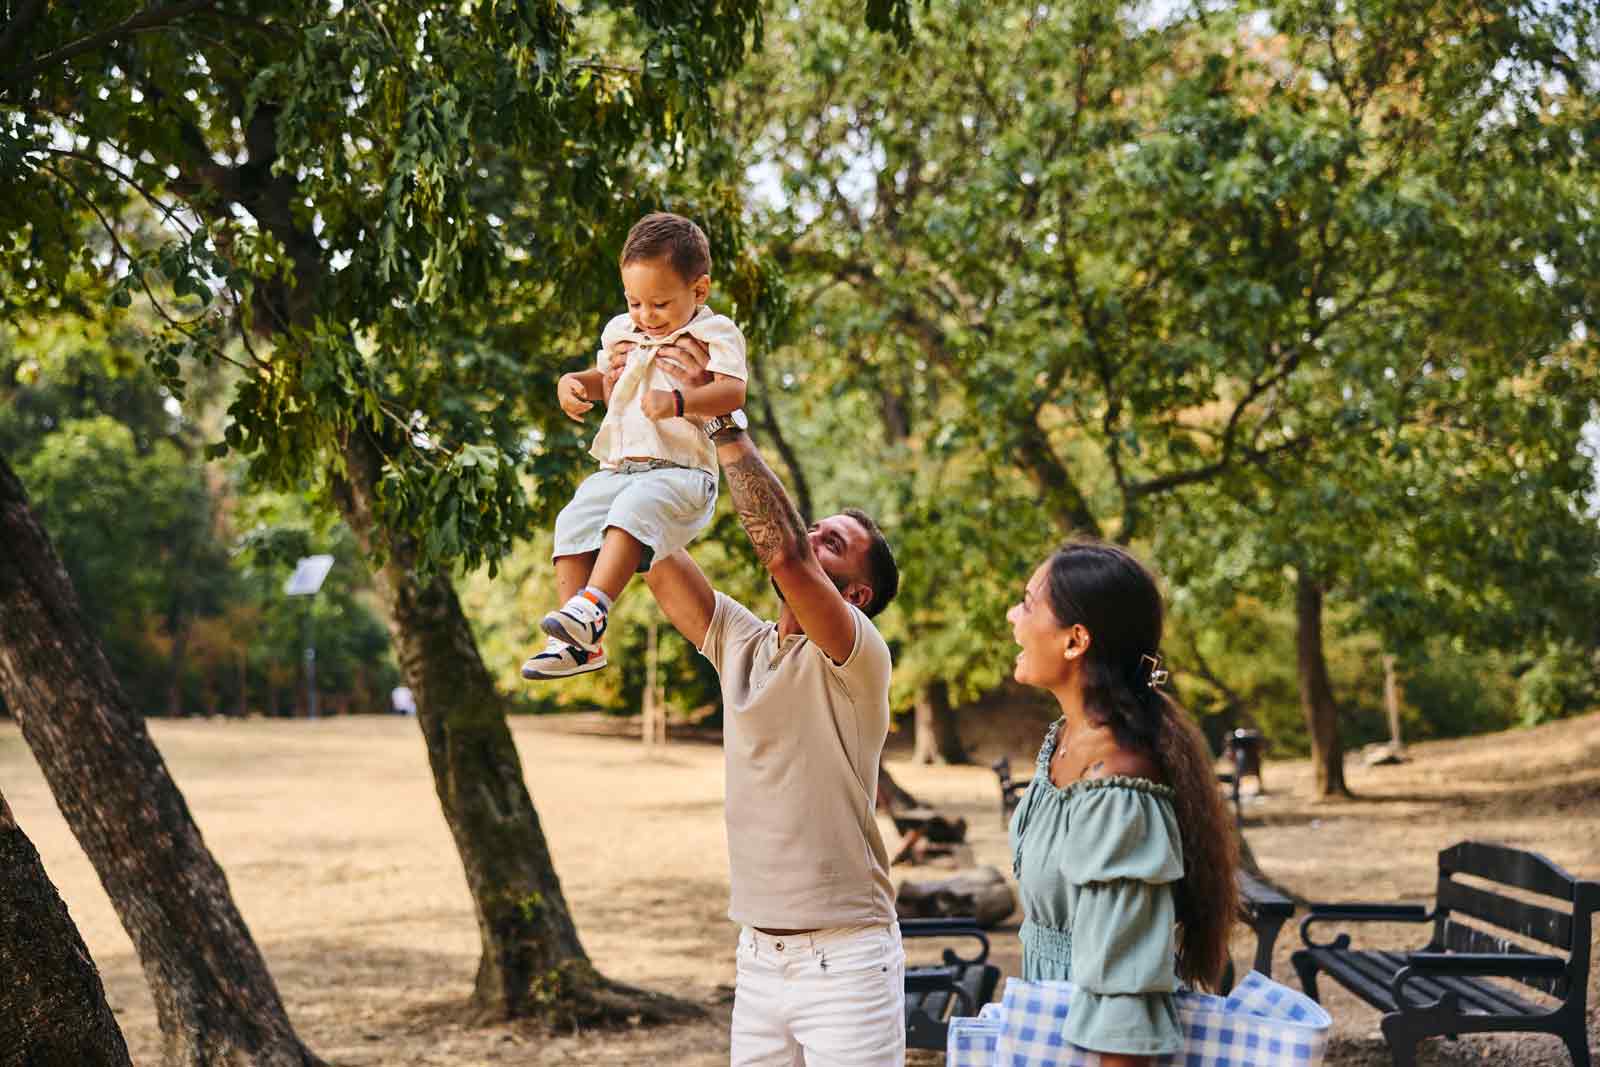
pixel 1121 844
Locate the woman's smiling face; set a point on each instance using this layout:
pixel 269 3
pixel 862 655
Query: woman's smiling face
pixel 1042 661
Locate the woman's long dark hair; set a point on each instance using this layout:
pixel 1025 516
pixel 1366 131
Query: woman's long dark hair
pixel 1115 597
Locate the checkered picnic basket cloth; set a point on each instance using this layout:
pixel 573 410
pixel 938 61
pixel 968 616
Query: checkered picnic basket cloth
pixel 1260 1024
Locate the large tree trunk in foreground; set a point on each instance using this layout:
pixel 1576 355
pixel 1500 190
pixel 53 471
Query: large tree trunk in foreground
pixel 216 1003
pixel 1316 692
pixel 937 739
pixel 53 1010
pixel 532 962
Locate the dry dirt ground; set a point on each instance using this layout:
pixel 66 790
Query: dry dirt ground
pixel 342 865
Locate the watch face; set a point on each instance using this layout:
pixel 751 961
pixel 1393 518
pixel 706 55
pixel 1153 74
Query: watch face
pixel 720 424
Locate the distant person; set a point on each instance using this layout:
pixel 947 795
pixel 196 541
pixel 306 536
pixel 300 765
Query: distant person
pixel 1121 845
pixel 656 488
pixel 821 971
pixel 402 701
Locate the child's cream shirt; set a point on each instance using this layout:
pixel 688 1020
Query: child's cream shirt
pixel 626 432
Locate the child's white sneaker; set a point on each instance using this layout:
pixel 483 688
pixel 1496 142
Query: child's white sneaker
pixel 581 622
pixel 561 660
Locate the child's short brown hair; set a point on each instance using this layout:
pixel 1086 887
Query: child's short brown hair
pixel 679 241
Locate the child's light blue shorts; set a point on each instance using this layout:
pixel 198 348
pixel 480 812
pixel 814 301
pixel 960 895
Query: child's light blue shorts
pixel 664 507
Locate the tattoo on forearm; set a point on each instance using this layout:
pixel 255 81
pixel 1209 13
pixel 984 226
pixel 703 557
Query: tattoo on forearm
pixel 768 515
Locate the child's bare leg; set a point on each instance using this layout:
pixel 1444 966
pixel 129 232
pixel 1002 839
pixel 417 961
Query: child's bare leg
pixel 558 659
pixel 581 619
pixel 618 561
pixel 572 574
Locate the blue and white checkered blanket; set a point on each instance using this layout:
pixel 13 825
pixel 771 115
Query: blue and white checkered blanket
pixel 1259 1024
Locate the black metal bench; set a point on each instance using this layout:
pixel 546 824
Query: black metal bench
pixel 1442 988
pixel 1011 790
pixel 1264 910
pixel 960 985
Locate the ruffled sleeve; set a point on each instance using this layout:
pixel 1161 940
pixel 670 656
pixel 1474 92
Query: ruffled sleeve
pixel 1123 853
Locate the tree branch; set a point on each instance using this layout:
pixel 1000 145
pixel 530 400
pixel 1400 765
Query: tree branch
pixel 1195 475
pixel 181 325
pixel 1036 456
pixel 25 17
pixel 769 424
pixel 167 211
pixel 155 18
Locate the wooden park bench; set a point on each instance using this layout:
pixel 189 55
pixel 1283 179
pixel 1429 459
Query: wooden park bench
pixel 1444 988
pixel 958 985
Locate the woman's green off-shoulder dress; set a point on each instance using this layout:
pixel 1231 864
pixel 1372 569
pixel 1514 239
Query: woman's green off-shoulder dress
pixel 1097 864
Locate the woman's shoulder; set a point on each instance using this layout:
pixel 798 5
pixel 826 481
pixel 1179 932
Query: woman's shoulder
pixel 1115 783
pixel 1116 762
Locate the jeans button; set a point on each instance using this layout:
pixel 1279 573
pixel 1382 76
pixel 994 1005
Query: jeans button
pixel 779 946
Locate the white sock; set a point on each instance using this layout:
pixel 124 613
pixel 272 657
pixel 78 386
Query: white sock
pixel 599 596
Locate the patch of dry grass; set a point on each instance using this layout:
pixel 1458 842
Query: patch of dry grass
pixel 342 865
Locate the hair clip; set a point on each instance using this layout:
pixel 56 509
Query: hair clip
pixel 1158 677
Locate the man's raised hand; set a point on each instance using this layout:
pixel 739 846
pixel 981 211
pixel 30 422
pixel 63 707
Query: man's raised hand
pixel 685 360
pixel 619 363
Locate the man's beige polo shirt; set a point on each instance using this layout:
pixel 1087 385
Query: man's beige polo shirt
pixel 802 738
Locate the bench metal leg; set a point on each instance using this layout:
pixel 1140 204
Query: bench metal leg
pixel 1577 1044
pixel 1266 937
pixel 1402 1038
pixel 1306 968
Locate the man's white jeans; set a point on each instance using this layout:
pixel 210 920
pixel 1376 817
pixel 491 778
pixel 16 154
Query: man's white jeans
pixel 833 998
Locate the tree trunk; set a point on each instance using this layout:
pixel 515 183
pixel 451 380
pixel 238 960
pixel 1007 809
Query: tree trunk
pixel 180 645
pixel 769 426
pixel 1391 702
pixel 1316 693
pixel 532 962
pixel 215 1001
pixel 1061 496
pixel 53 1010
pixel 937 739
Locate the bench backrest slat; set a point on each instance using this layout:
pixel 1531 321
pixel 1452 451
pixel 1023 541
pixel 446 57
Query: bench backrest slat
pixel 1457 937
pixel 1497 863
pixel 1520 917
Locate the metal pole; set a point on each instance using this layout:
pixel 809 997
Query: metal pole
pixel 311 662
pixel 649 709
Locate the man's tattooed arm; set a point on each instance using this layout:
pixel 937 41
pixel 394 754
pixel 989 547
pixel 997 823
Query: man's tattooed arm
pixel 769 517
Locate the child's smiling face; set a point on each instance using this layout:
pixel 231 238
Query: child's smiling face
pixel 659 299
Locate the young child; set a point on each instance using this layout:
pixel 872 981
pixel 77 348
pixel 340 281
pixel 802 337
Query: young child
pixel 657 483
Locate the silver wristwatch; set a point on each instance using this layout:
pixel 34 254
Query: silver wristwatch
pixel 719 427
